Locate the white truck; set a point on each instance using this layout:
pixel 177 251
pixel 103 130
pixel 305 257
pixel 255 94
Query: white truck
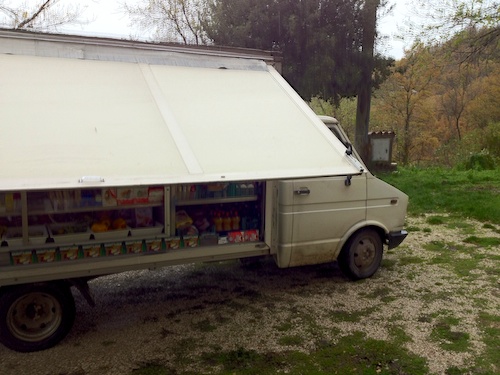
pixel 117 155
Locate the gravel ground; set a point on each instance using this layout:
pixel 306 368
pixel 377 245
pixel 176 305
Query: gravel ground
pixel 180 312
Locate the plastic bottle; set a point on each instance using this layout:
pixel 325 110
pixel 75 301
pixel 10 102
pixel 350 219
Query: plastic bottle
pixel 218 222
pixel 235 221
pixel 227 222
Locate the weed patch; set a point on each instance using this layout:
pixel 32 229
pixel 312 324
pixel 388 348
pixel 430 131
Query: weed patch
pixel 490 325
pixel 294 340
pixel 407 260
pixel 457 258
pixel 351 316
pixel 152 368
pixel 204 326
pixel 353 354
pixel 448 338
pixel 435 220
pixel 483 241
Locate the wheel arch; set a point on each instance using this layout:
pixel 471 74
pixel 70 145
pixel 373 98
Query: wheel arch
pixel 378 227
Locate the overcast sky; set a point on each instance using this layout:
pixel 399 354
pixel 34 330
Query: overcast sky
pixel 108 21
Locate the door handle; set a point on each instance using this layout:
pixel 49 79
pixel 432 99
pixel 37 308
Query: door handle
pixel 302 191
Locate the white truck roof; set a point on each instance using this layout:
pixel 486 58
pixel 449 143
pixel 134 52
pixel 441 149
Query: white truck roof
pixel 84 112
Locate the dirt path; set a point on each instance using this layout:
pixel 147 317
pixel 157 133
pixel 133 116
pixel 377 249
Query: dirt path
pixel 179 312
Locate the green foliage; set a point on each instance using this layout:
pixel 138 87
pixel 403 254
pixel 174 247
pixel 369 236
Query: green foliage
pixel 480 161
pixel 491 139
pixel 344 111
pixel 321 51
pixel 471 193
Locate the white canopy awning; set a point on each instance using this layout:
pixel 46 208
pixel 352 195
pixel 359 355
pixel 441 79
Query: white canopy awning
pixel 72 123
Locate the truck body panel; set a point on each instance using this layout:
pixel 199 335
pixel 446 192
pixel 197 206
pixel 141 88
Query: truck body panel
pixel 119 155
pixel 318 213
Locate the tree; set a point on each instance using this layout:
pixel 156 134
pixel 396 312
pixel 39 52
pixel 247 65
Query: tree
pixel 171 20
pixel 320 39
pixel 476 22
pixel 404 99
pixel 457 92
pixel 369 18
pixel 39 15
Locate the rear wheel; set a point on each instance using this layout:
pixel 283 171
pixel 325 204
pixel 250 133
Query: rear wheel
pixel 35 317
pixel 362 254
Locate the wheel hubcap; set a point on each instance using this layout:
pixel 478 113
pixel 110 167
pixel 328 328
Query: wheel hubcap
pixel 364 254
pixel 34 317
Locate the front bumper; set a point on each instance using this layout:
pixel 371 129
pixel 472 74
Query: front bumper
pixel 394 239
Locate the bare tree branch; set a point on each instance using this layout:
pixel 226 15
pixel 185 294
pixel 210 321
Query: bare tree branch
pixel 27 21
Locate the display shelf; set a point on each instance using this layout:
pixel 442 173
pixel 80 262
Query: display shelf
pixel 203 201
pixel 4 214
pixel 94 208
pixel 102 265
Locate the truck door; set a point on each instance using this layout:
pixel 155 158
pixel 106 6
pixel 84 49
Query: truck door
pixel 316 214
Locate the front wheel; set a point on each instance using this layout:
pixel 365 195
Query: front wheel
pixel 35 317
pixel 362 254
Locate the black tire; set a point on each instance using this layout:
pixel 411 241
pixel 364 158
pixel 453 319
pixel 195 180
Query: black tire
pixel 361 255
pixel 35 316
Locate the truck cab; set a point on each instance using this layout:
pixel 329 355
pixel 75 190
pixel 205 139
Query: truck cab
pixel 117 171
pixel 344 218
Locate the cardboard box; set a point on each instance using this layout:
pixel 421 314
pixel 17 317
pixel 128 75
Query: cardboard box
pixel 131 196
pixel 91 251
pixel 69 253
pixel 22 257
pixel 134 247
pixel 155 195
pixel 114 249
pixel 124 196
pixel 173 243
pixel 251 235
pixel 154 245
pixel 109 197
pixel 46 256
pixel 141 195
pixel 236 236
pixel 190 241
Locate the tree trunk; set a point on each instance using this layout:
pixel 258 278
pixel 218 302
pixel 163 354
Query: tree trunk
pixel 365 89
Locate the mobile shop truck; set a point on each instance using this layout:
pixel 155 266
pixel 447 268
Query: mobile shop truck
pixel 118 155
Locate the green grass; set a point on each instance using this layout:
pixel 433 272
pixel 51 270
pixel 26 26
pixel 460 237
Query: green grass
pixel 448 196
pixel 474 194
pixel 448 337
pixel 353 354
pixel 447 256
